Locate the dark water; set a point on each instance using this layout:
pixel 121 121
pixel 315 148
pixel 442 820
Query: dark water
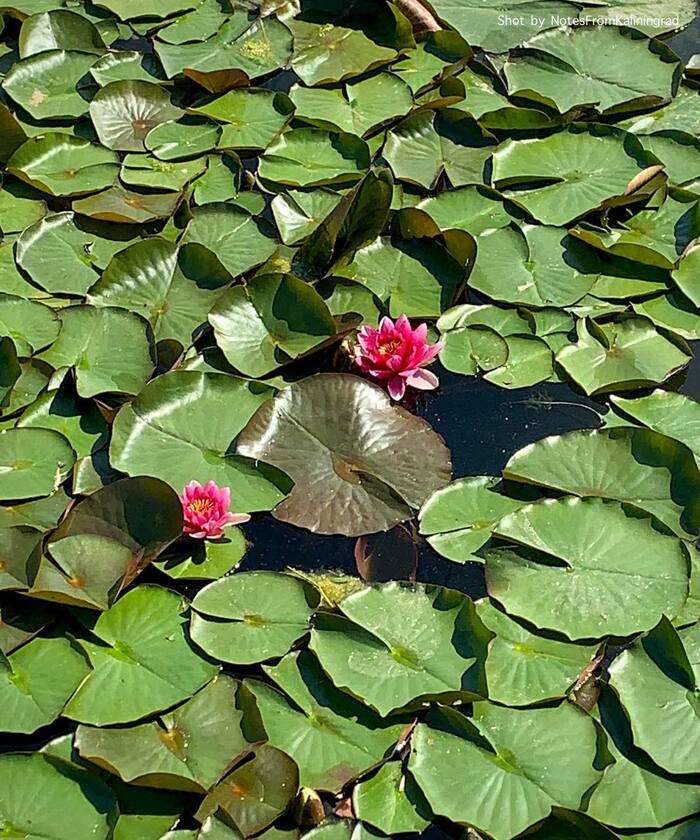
pixel 483 425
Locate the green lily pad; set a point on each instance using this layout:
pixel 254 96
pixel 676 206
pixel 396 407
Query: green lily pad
pixel 475 209
pixel 33 462
pixel 232 234
pixel 616 586
pixel 459 519
pixel 517 764
pixel 299 213
pixel 252 48
pixel 19 209
pixel 365 106
pixel 59 29
pixel 252 118
pixel 673 415
pixel 205 559
pixel 252 616
pixel 391 802
pixel 118 204
pixel 620 356
pixel 270 321
pixel 498 28
pixel 36 681
pixel 187 749
pixel 634 466
pixel 255 793
pixel 134 9
pixel 175 140
pixel 324 53
pixel 150 172
pixel 124 65
pixel 470 349
pixel 563 68
pixel 332 737
pixel 31 325
pixel 530 360
pixel 308 157
pixel 381 653
pixel 680 154
pixel 655 673
pixel 173 288
pixel 73 802
pixel 195 418
pixel 124 112
pixel 51 85
pixel 58 255
pixel 348 479
pixel 523 668
pixel 425 145
pixel 144 662
pixel 10 370
pixel 561 177
pixel 86 343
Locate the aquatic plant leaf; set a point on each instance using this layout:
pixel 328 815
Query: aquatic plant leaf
pixel 348 479
pixel 613 573
pixel 252 616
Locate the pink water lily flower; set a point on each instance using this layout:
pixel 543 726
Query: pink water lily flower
pixel 206 510
pixel 396 353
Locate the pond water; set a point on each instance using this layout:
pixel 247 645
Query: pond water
pixel 483 425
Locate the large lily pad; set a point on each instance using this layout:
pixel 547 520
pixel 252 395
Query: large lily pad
pixel 307 157
pixel 270 321
pixel 33 462
pixel 349 480
pixel 561 177
pixel 523 668
pixel 195 418
pixel 63 165
pixel 48 86
pixel 383 655
pixel 620 356
pixel 515 763
pixel 252 616
pixel 86 343
pixel 124 112
pixel 634 466
pixel 187 749
pixel 72 800
pixel 143 662
pixel 36 681
pixel 564 68
pixel 613 573
pixel 173 288
pixel 332 737
pixel 655 673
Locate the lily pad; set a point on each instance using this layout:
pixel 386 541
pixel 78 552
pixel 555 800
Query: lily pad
pixel 595 587
pixel 459 519
pixel 559 178
pixel 252 616
pixel 634 466
pixel 348 479
pixel 51 85
pixel 73 800
pixel 36 681
pixel 187 749
pixel 332 737
pixel 256 792
pixel 308 157
pixel 391 802
pixel 655 673
pixel 118 204
pixel 252 118
pixel 86 343
pixel 143 663
pixel 523 668
pixel 124 112
pixel 517 764
pixel 31 325
pixel 382 654
pixel 270 321
pixel 33 462
pixel 195 418
pixel 620 356
pixel 173 288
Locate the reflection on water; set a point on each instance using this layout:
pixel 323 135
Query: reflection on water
pixel 687 42
pixel 483 425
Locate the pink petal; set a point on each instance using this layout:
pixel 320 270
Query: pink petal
pixel 397 388
pixel 423 380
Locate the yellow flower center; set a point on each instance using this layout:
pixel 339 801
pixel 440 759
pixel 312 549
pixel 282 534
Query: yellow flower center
pixel 388 348
pixel 201 506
